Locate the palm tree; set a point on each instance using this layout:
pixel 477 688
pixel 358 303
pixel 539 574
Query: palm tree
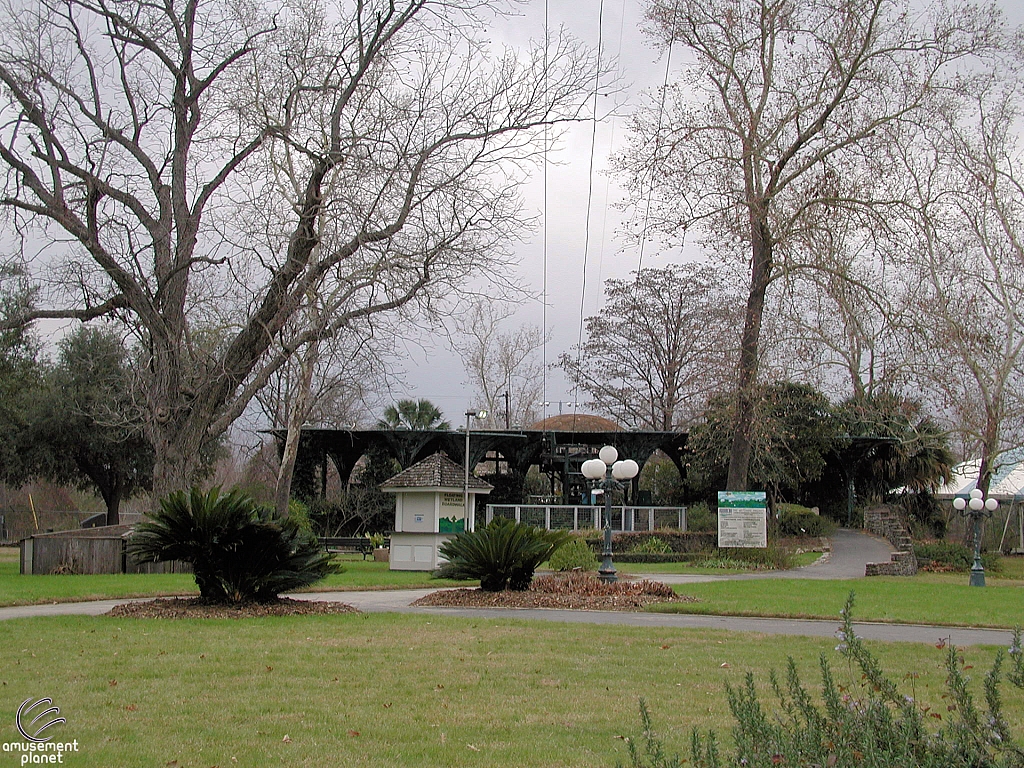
pixel 412 414
pixel 917 458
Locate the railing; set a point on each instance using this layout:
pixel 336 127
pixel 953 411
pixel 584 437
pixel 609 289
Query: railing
pixel 576 518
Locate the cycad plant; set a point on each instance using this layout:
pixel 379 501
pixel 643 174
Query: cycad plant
pixel 503 554
pixel 240 552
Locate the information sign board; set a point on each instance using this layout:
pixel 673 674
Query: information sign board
pixel 742 519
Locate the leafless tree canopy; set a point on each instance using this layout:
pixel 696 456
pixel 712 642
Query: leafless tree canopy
pixel 502 364
pixel 663 343
pixel 961 246
pixel 200 168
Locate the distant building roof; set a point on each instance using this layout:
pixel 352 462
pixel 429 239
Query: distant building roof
pixel 436 471
pixel 576 422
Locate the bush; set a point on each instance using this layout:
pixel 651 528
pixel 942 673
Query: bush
pixel 878 726
pixel 949 556
pixel 678 541
pixel 503 554
pixel 699 517
pixel 795 520
pixel 239 551
pixel 768 558
pixel 575 553
pixel 652 545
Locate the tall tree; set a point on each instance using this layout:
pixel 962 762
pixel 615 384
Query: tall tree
pixel 662 344
pixel 780 108
pixel 144 133
pixel 413 414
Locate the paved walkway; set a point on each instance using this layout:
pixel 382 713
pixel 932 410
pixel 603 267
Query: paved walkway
pixel 850 550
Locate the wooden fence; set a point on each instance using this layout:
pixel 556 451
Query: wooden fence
pixel 87 551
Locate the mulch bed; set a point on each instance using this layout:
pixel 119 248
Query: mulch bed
pixel 571 591
pixel 193 608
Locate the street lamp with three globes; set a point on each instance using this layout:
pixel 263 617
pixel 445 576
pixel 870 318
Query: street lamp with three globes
pixel 608 474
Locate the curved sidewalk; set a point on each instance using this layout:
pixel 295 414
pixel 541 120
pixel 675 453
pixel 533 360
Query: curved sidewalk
pixel 398 601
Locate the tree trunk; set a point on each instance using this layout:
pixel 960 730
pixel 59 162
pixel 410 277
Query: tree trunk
pixel 297 415
pixel 113 501
pixel 743 426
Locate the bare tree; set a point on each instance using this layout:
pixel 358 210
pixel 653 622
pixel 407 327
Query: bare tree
pixel 136 140
pixel 842 331
pixel 779 103
pixel 964 251
pixel 661 346
pixel 502 365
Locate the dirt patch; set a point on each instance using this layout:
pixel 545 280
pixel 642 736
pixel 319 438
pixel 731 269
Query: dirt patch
pixel 572 591
pixel 192 608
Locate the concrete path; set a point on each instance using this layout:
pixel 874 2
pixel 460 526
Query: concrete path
pixel 850 551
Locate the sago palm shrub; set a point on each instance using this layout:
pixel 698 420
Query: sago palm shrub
pixel 239 551
pixel 503 554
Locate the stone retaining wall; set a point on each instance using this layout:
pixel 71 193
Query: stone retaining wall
pixel 888 523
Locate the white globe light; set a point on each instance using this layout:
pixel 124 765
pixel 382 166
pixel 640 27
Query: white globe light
pixel 959 503
pixel 593 469
pixel 608 454
pixel 625 470
pixel 991 504
pixel 976 503
pixel 976 493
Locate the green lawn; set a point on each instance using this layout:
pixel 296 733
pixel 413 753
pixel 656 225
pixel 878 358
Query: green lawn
pixel 925 599
pixel 16 589
pixel 401 690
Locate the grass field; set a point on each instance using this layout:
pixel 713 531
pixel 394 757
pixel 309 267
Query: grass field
pixel 924 599
pixel 400 690
pixel 16 589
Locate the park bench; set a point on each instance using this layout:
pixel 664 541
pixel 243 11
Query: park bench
pixel 359 544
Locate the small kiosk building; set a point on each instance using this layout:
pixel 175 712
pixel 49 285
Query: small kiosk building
pixel 429 510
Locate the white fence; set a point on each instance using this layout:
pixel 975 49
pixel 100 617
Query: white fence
pixel 576 518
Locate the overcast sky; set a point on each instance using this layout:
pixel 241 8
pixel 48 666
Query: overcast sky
pixel 437 373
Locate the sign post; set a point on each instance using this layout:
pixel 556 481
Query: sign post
pixel 742 519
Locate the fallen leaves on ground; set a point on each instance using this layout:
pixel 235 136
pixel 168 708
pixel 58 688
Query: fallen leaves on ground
pixel 193 608
pixel 575 591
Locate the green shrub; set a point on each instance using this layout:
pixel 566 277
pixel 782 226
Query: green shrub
pixel 652 545
pixel 503 554
pixel 700 517
pixel 795 520
pixel 299 512
pixel 950 556
pixel 876 726
pixel 649 557
pixel 765 558
pixel 575 553
pixel 239 551
pixel 678 541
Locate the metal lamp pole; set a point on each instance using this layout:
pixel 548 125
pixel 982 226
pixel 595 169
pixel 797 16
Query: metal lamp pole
pixel 606 473
pixel 470 519
pixel 977 507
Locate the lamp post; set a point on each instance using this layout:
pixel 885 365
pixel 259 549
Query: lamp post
pixel 977 507
pixel 470 519
pixel 607 474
